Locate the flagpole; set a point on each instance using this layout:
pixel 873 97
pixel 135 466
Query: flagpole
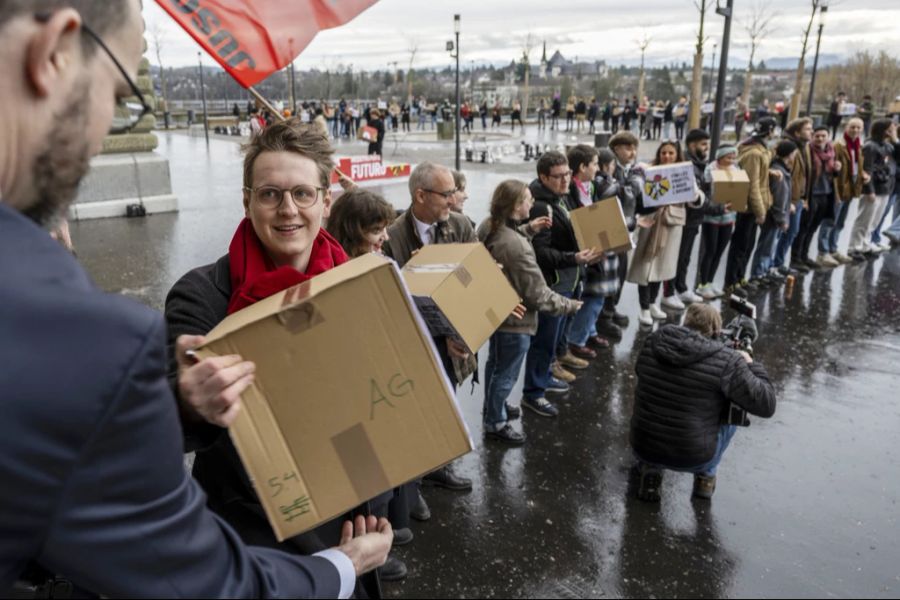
pixel 262 100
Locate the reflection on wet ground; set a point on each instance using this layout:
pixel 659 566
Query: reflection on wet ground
pixel 806 503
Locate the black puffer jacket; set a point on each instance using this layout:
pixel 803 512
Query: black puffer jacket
pixel 556 247
pixel 685 385
pixel 695 213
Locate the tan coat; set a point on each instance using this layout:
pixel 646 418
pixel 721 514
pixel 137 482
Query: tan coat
pixel 512 249
pixel 845 185
pixel 754 160
pixel 646 268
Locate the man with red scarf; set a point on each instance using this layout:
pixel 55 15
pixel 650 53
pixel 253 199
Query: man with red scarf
pixel 848 185
pixel 823 169
pixel 280 243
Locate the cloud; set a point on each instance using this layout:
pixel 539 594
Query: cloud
pixel 494 32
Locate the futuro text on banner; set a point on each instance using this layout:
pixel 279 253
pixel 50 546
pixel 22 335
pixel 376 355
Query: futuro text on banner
pixel 252 39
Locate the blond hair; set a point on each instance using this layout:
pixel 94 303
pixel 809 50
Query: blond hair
pixel 703 319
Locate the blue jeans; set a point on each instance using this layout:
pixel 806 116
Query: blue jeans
pixel 765 247
pixel 505 356
pixel 831 228
pixel 894 203
pixel 542 353
pixel 584 324
pixel 726 433
pixel 894 229
pixel 786 238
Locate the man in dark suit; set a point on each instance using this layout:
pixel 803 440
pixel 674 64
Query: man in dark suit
pixel 90 440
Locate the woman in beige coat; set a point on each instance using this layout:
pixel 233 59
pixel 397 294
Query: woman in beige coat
pixel 659 239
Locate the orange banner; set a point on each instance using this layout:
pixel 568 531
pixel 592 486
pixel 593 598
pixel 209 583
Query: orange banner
pixel 252 39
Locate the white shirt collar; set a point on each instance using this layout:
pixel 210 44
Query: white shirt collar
pixel 424 230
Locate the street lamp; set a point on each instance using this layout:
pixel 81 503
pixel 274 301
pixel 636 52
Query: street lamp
pixel 718 114
pixel 712 67
pixel 812 84
pixel 450 48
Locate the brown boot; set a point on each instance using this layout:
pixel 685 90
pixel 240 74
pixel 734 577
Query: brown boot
pixel 557 370
pixel 572 361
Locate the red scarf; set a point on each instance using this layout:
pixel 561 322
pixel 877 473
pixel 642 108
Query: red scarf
pixel 853 148
pixel 823 158
pixel 255 277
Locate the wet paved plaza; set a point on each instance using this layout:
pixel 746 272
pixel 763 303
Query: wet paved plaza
pixel 807 502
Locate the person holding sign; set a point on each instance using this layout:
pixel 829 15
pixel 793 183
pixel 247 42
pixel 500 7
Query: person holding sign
pixel 659 240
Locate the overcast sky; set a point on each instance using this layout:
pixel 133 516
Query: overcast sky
pixel 495 30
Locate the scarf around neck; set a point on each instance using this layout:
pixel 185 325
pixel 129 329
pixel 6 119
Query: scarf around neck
pixel 254 275
pixel 823 159
pixel 854 147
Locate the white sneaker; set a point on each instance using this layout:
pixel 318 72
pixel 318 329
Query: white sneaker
pixel 645 318
pixel 885 246
pixel 827 260
pixel 690 297
pixel 720 293
pixel 672 303
pixel 657 313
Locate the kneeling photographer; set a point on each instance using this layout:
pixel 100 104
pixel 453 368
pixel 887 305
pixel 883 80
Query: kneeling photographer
pixel 691 395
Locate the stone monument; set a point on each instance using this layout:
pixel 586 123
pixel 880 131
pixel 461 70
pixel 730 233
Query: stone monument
pixel 128 171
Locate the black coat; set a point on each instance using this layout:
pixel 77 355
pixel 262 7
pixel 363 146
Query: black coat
pixel 685 385
pixel 194 306
pixel 555 248
pixel 695 214
pixel 92 465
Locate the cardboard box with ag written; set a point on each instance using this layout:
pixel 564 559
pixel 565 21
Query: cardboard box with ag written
pixel 460 291
pixel 602 226
pixel 350 399
pixel 731 186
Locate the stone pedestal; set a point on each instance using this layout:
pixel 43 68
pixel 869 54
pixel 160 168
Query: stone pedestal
pixel 117 180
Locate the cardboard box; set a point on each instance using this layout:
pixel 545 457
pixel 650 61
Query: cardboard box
pixel 602 225
pixel 894 108
pixel 350 398
pixel 731 186
pixel 460 291
pixel 669 184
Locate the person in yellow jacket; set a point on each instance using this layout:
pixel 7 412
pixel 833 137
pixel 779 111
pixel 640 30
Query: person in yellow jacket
pixel 754 158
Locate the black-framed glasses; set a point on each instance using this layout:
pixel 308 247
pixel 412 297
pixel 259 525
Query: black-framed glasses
pixel 271 197
pixel 127 114
pixel 445 195
pixel 561 176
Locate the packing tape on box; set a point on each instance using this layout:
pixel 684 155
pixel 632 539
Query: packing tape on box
pixel 300 317
pixel 493 319
pixel 360 461
pixel 462 273
pixel 604 240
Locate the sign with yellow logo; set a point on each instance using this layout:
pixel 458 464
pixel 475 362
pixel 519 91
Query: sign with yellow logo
pixel 669 184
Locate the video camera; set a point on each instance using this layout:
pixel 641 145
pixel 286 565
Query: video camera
pixel 740 334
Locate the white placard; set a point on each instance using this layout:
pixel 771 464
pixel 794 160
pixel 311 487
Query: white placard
pixel 848 109
pixel 669 184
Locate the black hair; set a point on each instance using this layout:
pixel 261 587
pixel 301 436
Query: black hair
pixel 880 128
pixel 785 148
pixel 582 154
pixel 605 156
pixel 551 159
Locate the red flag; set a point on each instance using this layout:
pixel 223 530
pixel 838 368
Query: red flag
pixel 252 39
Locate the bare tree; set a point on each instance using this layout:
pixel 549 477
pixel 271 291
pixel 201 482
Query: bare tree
pixel 158 37
pixel 642 43
pixel 413 49
pixel 527 47
pixel 758 27
pixel 801 65
pixel 697 75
